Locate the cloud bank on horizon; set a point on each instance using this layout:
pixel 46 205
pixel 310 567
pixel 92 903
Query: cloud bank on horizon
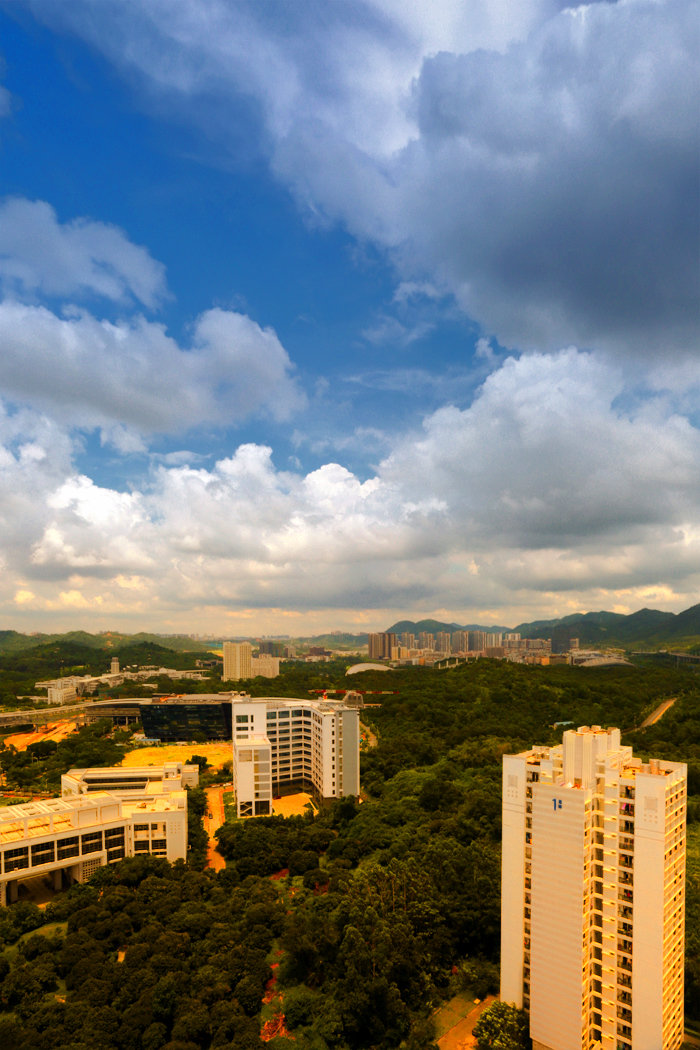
pixel 315 316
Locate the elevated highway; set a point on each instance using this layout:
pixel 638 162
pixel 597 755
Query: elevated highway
pixel 121 711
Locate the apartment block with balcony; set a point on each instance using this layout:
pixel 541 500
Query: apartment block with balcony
pixel 238 661
pixel 281 746
pixel 593 894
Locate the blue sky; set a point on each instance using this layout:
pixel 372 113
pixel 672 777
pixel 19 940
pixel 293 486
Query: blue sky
pixel 313 316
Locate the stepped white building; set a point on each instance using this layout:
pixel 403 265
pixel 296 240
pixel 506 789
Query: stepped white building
pixel 593 894
pixel 282 745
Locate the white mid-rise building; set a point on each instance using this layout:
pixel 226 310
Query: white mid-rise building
pixel 238 661
pixel 62 690
pixel 265 666
pixel 282 745
pixel 593 894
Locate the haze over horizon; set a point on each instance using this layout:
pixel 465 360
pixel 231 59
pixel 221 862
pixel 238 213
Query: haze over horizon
pixel 323 316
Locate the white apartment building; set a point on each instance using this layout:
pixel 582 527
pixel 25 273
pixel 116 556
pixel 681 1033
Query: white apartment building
pixel 62 690
pixel 238 661
pixel 265 666
pixel 593 894
pixel 282 745
pixel 143 811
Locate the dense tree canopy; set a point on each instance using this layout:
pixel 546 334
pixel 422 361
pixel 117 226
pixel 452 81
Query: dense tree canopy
pixel 364 916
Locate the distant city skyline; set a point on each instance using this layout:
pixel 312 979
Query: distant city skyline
pixel 315 323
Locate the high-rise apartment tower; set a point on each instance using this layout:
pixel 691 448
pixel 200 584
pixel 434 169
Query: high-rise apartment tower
pixel 238 661
pixel 381 645
pixel 593 894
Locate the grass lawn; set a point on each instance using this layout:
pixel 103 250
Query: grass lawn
pixel 229 806
pixel 49 930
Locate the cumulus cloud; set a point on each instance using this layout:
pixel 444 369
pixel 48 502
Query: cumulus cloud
pixel 539 161
pixel 555 186
pixel 40 256
pixel 541 490
pixel 131 376
pixel 543 460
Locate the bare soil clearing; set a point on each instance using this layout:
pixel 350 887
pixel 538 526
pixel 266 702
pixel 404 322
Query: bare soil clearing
pixel 215 754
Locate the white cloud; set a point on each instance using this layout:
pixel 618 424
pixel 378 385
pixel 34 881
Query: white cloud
pixel 554 187
pixel 541 494
pixel 41 256
pixel 131 378
pixel 539 161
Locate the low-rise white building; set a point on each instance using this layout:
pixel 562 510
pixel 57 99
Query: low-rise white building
pixel 127 781
pixel 281 746
pixel 103 816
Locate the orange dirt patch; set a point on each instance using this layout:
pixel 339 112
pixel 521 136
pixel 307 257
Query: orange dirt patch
pixel 291 805
pixel 213 819
pixel 215 754
pixel 276 1026
pixel 55 731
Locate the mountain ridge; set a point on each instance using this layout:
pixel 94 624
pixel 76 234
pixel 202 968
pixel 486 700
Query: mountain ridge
pixel 644 627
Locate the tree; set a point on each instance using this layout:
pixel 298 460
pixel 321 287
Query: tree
pixel 502 1027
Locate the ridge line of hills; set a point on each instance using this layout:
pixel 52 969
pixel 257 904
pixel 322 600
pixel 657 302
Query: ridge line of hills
pixel 646 628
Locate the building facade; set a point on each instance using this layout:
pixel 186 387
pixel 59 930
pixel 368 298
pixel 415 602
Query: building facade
pixel 238 661
pixel 593 894
pixel 198 717
pixel 265 666
pixel 281 746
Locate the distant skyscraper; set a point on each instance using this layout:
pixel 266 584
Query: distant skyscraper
pixel 238 661
pixel 593 894
pixel 381 645
pixel 114 665
pixel 460 641
pixel 426 640
pixel 477 641
pixel 443 642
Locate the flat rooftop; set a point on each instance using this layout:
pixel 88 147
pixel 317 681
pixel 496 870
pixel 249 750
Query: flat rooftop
pixel 31 820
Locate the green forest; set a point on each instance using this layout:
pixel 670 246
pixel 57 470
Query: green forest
pixel 354 923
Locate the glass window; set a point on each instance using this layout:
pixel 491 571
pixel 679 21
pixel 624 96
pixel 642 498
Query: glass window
pixel 16 858
pixel 92 842
pixel 43 853
pixel 68 847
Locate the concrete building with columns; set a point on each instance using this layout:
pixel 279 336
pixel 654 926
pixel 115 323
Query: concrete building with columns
pixel 103 816
pixel 593 894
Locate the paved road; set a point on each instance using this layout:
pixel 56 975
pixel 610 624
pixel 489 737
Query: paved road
pixel 660 711
pixel 460 1036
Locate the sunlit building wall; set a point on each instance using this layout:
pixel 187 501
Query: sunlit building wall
pixel 593 894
